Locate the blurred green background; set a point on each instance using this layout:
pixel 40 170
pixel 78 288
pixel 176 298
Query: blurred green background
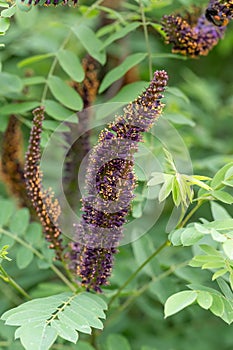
pixel 201 110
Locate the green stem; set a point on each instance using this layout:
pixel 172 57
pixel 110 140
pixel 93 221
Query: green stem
pixel 165 244
pixel 136 272
pixel 146 38
pixel 40 256
pixel 63 278
pixel 144 288
pixel 14 284
pixel 191 213
pixel 11 294
pixel 53 66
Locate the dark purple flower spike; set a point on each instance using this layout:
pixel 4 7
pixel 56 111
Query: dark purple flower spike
pixel 110 182
pixel 191 40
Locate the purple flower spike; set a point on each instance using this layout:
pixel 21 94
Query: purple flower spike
pixel 191 40
pixel 110 183
pixel 219 13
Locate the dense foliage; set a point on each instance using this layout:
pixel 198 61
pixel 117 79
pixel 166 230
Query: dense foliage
pixel 128 106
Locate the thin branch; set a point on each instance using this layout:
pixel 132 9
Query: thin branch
pixel 191 213
pixel 136 272
pixel 14 284
pixel 53 66
pixel 40 256
pixel 146 38
pixel 144 288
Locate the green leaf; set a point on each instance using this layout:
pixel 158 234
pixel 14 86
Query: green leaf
pixel 106 30
pixel 127 94
pixel 210 250
pixel 223 196
pixel 228 311
pixel 65 332
pixel 57 111
pixel 218 237
pixel 194 180
pixel 228 248
pixel 177 93
pixel 207 258
pixel 40 336
pixel 176 193
pixel 116 342
pixel 228 183
pixel 53 125
pixel 20 221
pixel 207 261
pixel 219 273
pixel 218 212
pixel 166 188
pixel 190 236
pixel 34 59
pixel 41 320
pixel 95 304
pixel 10 83
pixel 229 174
pixel 179 119
pixel 175 237
pixel 231 280
pixel 118 72
pixel 4 4
pixel 121 33
pixel 18 108
pixel 6 210
pixel 33 234
pixel 217 306
pixel 195 262
pixel 65 94
pixel 157 179
pixel 89 315
pixel 204 299
pixel 213 265
pixel 169 55
pixel 4 24
pixel 8 12
pixel 179 301
pixel 89 40
pixel 76 321
pixel 220 175
pixel 221 225
pixel 201 228
pixel 33 80
pixel 71 64
pixel 225 288
pixel 24 257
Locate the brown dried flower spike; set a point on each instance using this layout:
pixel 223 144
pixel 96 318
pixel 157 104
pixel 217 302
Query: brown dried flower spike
pixel 47 208
pixel 12 162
